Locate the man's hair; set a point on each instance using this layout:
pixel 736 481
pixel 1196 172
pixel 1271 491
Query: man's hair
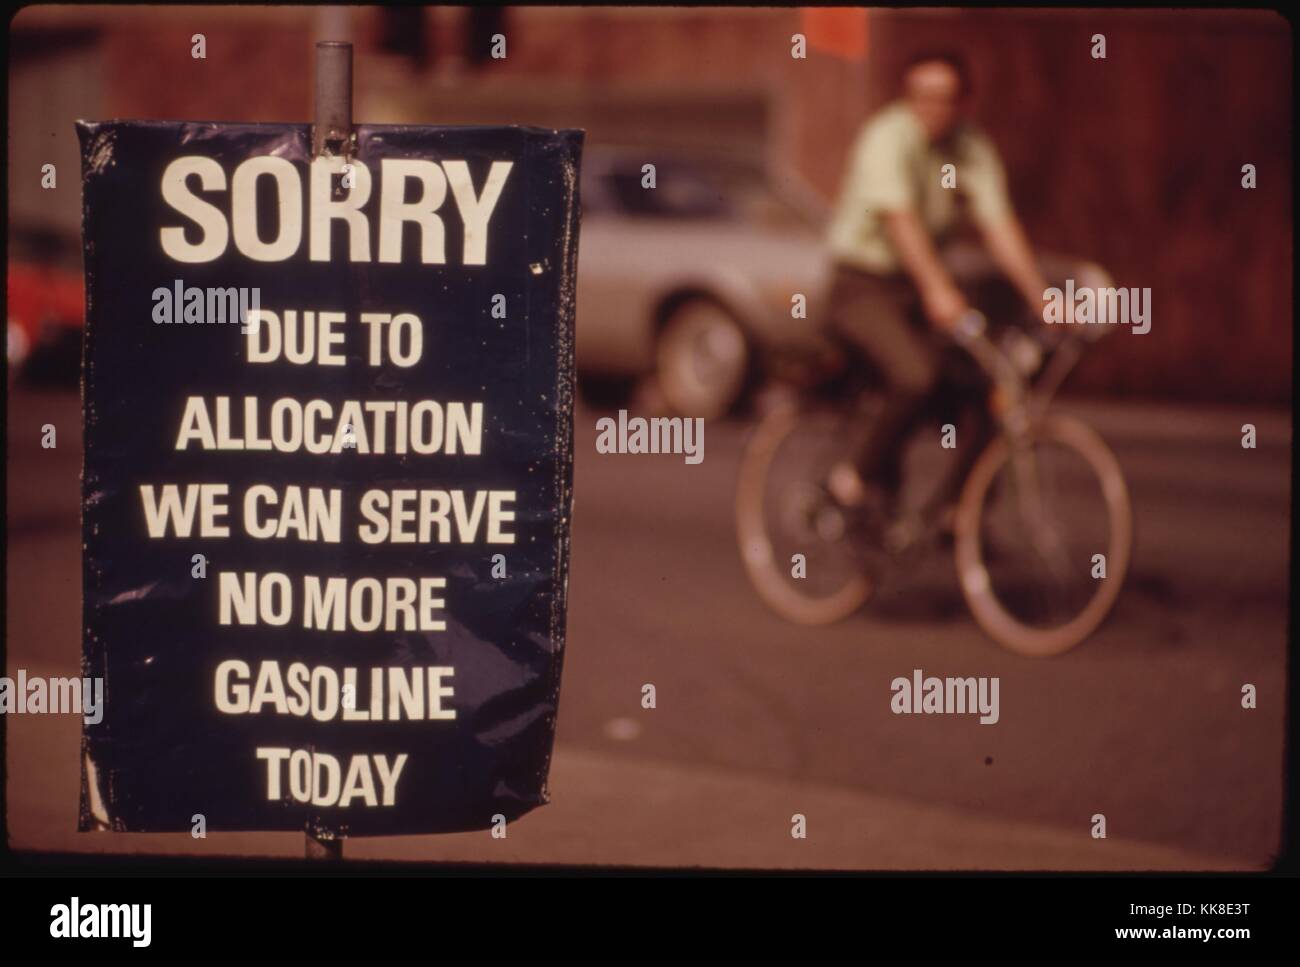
pixel 949 57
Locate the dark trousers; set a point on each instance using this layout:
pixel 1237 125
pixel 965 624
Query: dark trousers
pixel 881 316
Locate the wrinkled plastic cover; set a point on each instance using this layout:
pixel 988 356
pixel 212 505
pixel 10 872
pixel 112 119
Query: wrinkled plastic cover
pixel 163 753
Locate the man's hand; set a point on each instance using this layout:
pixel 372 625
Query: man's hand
pixel 944 305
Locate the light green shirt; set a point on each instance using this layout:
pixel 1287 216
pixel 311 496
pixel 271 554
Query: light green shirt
pixel 893 167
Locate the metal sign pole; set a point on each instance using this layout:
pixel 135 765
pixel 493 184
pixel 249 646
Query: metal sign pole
pixel 332 131
pixel 331 134
pixel 462 378
pixel 324 849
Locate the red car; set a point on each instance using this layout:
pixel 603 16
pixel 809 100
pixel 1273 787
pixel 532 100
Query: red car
pixel 46 308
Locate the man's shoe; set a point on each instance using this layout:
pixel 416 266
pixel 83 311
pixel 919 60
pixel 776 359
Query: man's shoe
pixel 868 497
pixel 846 486
pixel 903 533
pixel 946 527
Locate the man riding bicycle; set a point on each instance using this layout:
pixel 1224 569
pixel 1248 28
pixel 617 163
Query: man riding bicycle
pixel 811 521
pixel 899 206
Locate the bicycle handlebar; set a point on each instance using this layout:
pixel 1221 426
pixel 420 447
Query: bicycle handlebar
pixel 970 326
pixel 970 333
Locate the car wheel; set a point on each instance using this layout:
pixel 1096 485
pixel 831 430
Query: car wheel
pixel 703 359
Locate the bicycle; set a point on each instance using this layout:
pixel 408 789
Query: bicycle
pixel 1028 586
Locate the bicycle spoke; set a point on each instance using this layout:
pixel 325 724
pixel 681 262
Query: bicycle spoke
pixel 1051 512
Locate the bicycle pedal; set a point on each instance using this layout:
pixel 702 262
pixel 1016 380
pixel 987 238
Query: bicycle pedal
pixel 903 534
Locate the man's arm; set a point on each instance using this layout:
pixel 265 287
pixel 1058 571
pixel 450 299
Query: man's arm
pixel 1008 247
pixel 1010 251
pixel 940 297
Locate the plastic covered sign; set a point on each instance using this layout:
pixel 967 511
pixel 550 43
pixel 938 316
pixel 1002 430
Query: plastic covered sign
pixel 328 474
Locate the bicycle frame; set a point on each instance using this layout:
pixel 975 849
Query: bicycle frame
pixel 1019 403
pixel 1019 399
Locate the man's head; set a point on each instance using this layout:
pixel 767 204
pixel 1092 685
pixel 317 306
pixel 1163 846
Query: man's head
pixel 935 87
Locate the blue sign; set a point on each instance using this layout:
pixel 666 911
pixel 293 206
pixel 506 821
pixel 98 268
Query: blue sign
pixel 328 474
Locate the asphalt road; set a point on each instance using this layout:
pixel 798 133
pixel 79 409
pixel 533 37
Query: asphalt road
pixel 1142 723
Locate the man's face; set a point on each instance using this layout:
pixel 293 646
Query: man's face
pixel 932 90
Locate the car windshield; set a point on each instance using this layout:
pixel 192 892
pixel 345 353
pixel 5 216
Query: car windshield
pixel 679 192
pixel 688 191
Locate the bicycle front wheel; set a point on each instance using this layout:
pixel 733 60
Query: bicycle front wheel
pixel 783 510
pixel 1043 534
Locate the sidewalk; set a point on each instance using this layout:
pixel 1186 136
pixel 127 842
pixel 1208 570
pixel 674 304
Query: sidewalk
pixel 1149 420
pixel 616 811
pixel 611 810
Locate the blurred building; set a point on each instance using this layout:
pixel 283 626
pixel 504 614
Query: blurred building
pixel 1134 160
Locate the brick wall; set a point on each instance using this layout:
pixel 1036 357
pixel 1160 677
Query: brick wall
pixel 1136 160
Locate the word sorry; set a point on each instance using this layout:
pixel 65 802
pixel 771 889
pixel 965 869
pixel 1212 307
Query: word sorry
pixel 434 178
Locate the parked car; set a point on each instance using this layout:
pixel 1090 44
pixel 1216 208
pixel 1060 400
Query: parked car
pixel 693 283
pixel 46 307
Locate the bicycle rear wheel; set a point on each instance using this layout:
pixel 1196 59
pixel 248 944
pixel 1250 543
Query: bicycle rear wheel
pixel 783 509
pixel 1031 520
